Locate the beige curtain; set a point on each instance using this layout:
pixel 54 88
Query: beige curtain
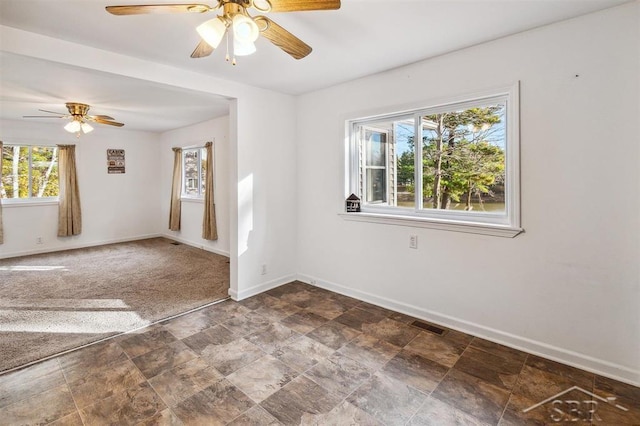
pixel 176 190
pixel 1 231
pixel 69 213
pixel 209 228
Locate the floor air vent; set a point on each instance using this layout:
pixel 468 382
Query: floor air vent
pixel 175 243
pixel 429 327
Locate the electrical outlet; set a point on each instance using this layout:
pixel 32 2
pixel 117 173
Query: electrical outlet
pixel 38 240
pixel 263 269
pixel 413 241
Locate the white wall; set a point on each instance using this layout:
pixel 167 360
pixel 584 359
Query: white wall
pixel 567 288
pixel 114 207
pixel 217 131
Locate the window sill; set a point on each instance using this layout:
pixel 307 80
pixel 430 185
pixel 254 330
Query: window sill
pixel 192 200
pixel 442 224
pixel 10 203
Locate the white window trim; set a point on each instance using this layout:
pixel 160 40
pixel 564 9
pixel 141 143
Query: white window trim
pixel 184 196
pixel 506 225
pixel 31 201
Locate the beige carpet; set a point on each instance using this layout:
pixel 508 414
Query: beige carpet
pixel 54 302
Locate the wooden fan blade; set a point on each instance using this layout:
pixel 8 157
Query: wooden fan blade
pixel 102 117
pixel 42 116
pixel 282 38
pixel 202 49
pixel 110 123
pixel 301 5
pixel 158 8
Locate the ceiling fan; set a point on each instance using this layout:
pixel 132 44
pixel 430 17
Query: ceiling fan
pixel 242 29
pixel 78 115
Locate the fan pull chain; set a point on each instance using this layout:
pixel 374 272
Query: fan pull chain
pixel 226 58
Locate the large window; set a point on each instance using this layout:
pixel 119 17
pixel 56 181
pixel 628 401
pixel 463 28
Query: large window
pixel 194 169
pixel 453 165
pixel 29 173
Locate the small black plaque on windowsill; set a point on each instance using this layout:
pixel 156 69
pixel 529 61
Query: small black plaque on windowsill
pixel 353 204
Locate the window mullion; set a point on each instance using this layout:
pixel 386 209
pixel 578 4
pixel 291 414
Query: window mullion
pixel 417 150
pixel 30 175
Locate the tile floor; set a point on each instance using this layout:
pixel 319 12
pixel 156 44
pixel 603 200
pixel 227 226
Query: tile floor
pixel 302 355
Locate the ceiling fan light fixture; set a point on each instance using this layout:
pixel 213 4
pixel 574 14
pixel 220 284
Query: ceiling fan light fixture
pixel 244 29
pixel 73 126
pixel 212 31
pixel 86 128
pixel 243 49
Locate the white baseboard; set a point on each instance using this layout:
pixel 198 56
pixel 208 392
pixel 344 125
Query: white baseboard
pixel 565 356
pixel 78 246
pixel 196 244
pixel 260 288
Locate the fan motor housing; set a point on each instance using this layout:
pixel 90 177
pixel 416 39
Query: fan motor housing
pixel 77 109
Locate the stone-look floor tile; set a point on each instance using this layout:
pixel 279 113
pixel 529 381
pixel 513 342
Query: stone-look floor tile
pixel 347 301
pixel 29 381
pixel 278 310
pixel 262 377
pixel 72 419
pixel 538 385
pixel 51 404
pixel 246 324
pixel 344 414
pixel 339 374
pixel 491 368
pixel 403 318
pixel 217 404
pixel 327 308
pixel 498 349
pixel 184 380
pixel 302 298
pixel 515 416
pixel 357 318
pixel 394 332
pixel 224 311
pixel 369 351
pixel 273 337
pixel 256 416
pixel 258 301
pixel 140 343
pixel 333 334
pixel 304 322
pixel 292 287
pixel 163 359
pixel 416 371
pixel 370 307
pixel 163 418
pixel 128 407
pixel 387 399
pixel 436 348
pixel 217 335
pixel 472 395
pixel 581 378
pixel 232 356
pixel 629 394
pixel 302 353
pixel 186 325
pixel 90 359
pixel 301 396
pixel 619 413
pixel 618 389
pixel 110 380
pixel 437 413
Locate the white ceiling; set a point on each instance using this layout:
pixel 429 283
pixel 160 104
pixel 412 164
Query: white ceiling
pixel 362 38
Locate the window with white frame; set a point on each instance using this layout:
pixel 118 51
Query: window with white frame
pixel 194 171
pixel 453 165
pixel 29 173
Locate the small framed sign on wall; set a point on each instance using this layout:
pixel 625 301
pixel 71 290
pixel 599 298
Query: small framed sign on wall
pixel 115 161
